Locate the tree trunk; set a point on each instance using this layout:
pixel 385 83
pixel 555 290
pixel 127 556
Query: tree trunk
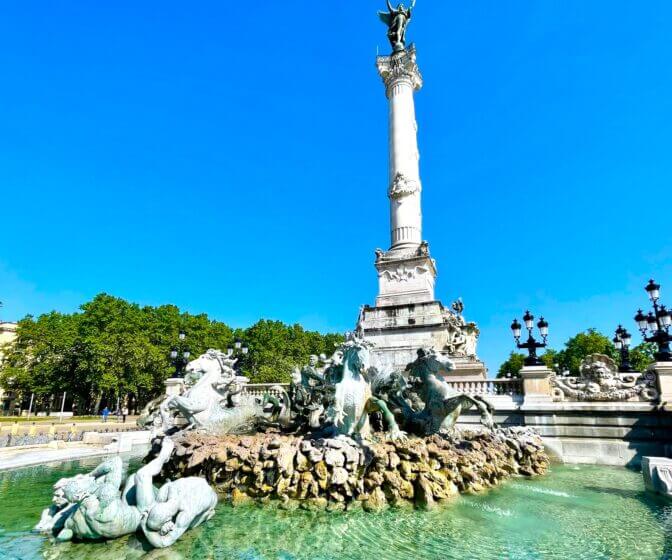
pixel 96 406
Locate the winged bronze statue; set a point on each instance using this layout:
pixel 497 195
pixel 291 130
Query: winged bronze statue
pixel 397 20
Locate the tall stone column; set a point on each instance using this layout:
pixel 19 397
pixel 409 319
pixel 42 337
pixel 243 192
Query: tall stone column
pixel 402 79
pixel 406 272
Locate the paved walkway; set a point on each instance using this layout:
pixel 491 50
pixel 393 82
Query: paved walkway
pixel 17 458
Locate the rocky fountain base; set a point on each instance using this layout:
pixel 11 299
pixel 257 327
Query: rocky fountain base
pixel 339 474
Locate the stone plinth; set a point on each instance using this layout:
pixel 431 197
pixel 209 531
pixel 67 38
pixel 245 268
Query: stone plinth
pixel 536 386
pixel 341 474
pixel 174 386
pixel 398 331
pixel 405 277
pixel 467 369
pixel 657 472
pixel 664 373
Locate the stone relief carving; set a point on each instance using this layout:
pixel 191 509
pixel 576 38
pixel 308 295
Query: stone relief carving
pixel 462 336
pixel 421 250
pixel 404 273
pixel 402 186
pixel 600 381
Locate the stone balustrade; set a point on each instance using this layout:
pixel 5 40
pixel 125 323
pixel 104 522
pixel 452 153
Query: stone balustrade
pixel 489 387
pixel 261 389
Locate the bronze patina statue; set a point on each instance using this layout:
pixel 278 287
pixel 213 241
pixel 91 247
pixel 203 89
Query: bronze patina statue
pixel 397 21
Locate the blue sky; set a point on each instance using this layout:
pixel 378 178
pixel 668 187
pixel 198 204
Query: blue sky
pixel 234 161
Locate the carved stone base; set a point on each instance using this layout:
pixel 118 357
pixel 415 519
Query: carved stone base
pixel 536 386
pixel 467 369
pixel 405 277
pixel 174 386
pixel 399 331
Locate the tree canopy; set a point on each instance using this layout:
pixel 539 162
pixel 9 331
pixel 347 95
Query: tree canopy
pixel 512 366
pixel 582 345
pixel 112 349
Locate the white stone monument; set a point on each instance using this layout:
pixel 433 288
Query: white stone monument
pixel 407 316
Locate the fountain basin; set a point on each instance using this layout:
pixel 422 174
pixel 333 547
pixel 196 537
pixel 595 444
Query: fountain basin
pixel 578 512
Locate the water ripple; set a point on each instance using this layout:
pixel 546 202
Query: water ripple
pixel 593 513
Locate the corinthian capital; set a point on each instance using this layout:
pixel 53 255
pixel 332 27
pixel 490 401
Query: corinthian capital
pixel 400 66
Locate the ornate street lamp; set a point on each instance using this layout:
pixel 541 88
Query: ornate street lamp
pixel 239 350
pixel 179 355
pixel 658 322
pixel 622 341
pixel 531 345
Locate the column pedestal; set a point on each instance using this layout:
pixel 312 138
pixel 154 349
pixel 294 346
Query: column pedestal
pixel 664 374
pixel 174 386
pixel 536 386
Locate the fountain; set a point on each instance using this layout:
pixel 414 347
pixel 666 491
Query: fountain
pixel 264 448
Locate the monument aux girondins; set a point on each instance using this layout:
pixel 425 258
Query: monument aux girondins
pixel 317 443
pixel 407 316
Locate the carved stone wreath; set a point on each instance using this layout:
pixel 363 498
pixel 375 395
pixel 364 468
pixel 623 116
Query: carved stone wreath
pixel 402 186
pixel 600 381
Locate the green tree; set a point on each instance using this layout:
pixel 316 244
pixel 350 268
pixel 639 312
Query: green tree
pixel 642 356
pixel 512 366
pixel 516 361
pixel 582 345
pixel 275 348
pixel 112 349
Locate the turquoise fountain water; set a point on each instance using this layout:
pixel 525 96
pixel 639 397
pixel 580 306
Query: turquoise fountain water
pixel 575 512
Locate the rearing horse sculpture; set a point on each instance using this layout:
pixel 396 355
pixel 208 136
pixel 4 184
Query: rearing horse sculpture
pixel 443 405
pixel 209 403
pixel 354 400
pixel 200 404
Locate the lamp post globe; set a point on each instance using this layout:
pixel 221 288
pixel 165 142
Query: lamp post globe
pixel 653 290
pixel 179 355
pixel 531 345
pixel 640 319
pixel 238 350
pixel 622 341
pixel 516 328
pixel 658 322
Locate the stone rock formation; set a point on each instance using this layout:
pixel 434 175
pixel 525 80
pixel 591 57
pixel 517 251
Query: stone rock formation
pixel 336 474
